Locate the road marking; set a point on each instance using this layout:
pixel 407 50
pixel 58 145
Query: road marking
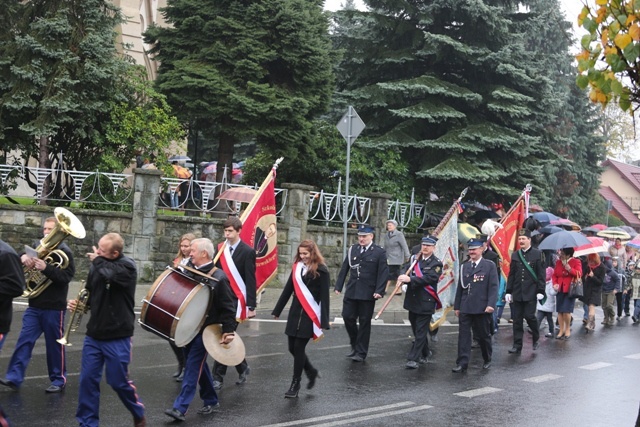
pixel 595 366
pixel 343 414
pixel 633 356
pixel 543 378
pixel 478 392
pixel 374 416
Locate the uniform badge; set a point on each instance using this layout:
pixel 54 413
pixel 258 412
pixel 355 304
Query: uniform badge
pixel 438 269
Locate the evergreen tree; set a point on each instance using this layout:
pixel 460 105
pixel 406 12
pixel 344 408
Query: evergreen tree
pixel 245 70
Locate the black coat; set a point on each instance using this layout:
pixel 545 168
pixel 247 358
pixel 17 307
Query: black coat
pixel 11 284
pixel 417 299
pixel 55 296
pixel 368 273
pixel 521 284
pixel 592 285
pixel 477 288
pixel 299 323
pixel 244 257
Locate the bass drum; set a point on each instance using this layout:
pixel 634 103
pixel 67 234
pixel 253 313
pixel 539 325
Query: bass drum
pixel 175 307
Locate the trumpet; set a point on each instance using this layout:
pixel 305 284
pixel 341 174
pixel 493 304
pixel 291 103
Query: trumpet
pixel 76 316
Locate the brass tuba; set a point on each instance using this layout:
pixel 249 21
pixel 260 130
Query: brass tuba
pixel 67 224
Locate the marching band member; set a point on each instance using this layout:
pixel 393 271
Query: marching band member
pixel 107 346
pixel 45 314
pixel 222 310
pixel 11 286
pixel 309 312
pixel 475 302
pixel 242 271
pixel 366 264
pixel 421 299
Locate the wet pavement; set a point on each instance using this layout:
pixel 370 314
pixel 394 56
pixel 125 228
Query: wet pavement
pixel 592 380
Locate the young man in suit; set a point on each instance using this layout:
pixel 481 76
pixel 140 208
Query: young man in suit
pixel 244 259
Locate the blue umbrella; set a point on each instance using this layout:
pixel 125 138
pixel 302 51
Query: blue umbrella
pixel 544 218
pixel 550 229
pixel 563 239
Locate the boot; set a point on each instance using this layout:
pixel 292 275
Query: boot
pixel 294 389
pixel 312 375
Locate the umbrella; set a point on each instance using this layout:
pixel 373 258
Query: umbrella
pixel 633 233
pixel 535 208
pixel 238 194
pixel 563 239
pixel 614 233
pixel 591 229
pixel 550 229
pixel 596 246
pixel 466 232
pixel 210 169
pixel 635 243
pixel 599 227
pixel 566 224
pixel 178 158
pixel 544 218
pixel 482 215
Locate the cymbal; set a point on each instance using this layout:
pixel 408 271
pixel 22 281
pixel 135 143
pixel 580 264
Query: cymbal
pixel 227 354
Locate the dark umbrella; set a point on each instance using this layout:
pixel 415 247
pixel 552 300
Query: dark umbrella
pixel 633 233
pixel 178 158
pixel 544 218
pixel 481 215
pixel 550 229
pixel 593 230
pixel 563 239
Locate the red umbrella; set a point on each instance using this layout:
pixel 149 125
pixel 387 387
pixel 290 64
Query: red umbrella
pixel 599 226
pixel 238 194
pixel 596 246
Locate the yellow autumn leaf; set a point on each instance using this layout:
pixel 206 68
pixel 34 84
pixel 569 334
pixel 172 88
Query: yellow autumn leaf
pixel 605 37
pixel 593 95
pixel 610 50
pixel 622 40
pixel 634 31
pixel 583 55
pixel 602 98
pixel 602 2
pixel 630 19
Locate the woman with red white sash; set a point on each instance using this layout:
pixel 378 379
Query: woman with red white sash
pixel 309 312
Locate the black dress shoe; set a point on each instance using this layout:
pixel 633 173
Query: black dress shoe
pixel 459 369
pixel 313 375
pixel 175 414
pixel 209 409
pixel 515 350
pixel 9 384
pixel 487 364
pixel 177 373
pixel 536 345
pixel 475 344
pixel 412 364
pixel 351 354
pixel 54 389
pixel 357 358
pixel 180 376
pixel 434 338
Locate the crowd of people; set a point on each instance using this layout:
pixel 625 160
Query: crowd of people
pixel 535 289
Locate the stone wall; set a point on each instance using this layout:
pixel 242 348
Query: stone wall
pixel 152 240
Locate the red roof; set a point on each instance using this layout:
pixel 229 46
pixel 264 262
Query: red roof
pixel 630 173
pixel 620 207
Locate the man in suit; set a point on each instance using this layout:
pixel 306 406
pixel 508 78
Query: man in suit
pixel 45 314
pixel 421 299
pixel 475 301
pixel 366 264
pixel 244 259
pixel 525 285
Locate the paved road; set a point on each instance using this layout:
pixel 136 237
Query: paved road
pixel 590 380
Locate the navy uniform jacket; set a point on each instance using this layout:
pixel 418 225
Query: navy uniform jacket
pixel 477 288
pixel 55 296
pixel 417 299
pixel 521 284
pixel 368 273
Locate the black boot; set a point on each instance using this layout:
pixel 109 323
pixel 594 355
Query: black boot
pixel 294 389
pixel 180 377
pixel 312 375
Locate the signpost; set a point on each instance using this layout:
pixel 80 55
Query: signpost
pixel 349 126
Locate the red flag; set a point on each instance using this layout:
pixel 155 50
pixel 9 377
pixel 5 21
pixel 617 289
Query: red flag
pixel 260 232
pixel 505 240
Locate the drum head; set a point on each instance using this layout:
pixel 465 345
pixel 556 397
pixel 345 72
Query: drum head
pixel 191 315
pixel 227 354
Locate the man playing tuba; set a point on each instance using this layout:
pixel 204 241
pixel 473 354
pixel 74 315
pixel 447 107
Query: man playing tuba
pixel 45 315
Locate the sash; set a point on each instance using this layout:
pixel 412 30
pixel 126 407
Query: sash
pixel 418 273
pixel 237 284
pixel 309 304
pixel 533 274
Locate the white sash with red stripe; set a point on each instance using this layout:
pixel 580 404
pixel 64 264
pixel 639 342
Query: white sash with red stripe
pixel 237 284
pixel 309 304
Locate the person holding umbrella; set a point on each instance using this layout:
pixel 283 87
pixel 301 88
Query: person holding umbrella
pixel 567 269
pixel 593 280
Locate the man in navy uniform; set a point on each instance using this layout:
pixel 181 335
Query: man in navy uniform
pixel 474 303
pixel 525 286
pixel 366 264
pixel 421 298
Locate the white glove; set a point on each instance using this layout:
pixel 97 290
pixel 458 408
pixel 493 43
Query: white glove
pixel 404 288
pixel 508 298
pixel 539 296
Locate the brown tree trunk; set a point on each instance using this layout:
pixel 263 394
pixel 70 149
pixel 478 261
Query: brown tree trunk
pixel 225 155
pixel 43 162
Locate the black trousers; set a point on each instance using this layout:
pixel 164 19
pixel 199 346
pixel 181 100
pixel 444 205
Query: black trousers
pixel 420 328
pixel 357 316
pixel 301 362
pixel 480 325
pixel 524 310
pixel 179 352
pixel 220 370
